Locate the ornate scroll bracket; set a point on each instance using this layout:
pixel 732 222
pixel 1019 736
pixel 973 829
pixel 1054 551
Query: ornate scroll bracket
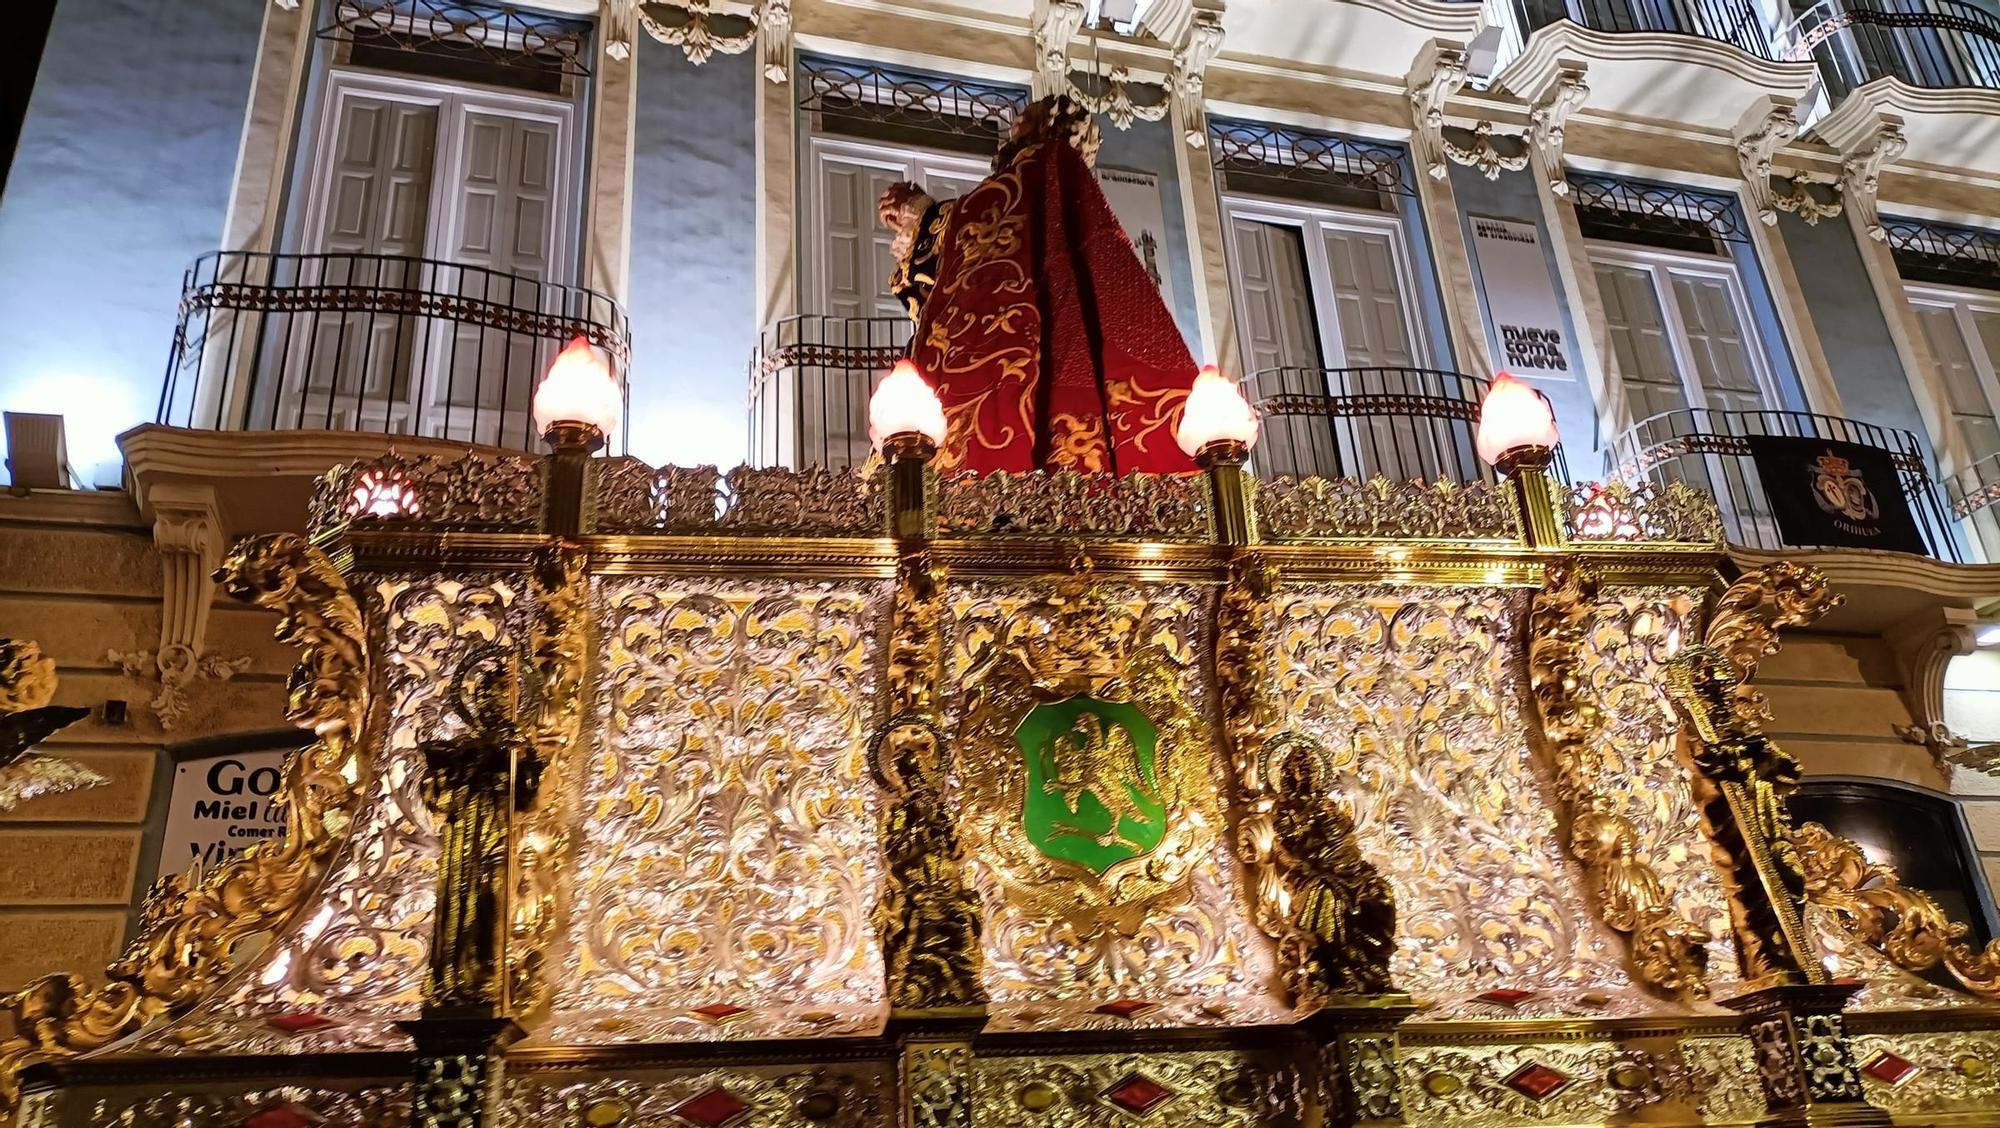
pixel 1861 173
pixel 1547 121
pixel 187 533
pixel 1905 924
pixel 1924 644
pixel 1765 127
pixel 616 21
pixel 1190 78
pixel 697 34
pixel 1743 776
pixel 1440 72
pixel 774 39
pixel 1059 21
pixel 187 936
pixel 1667 950
pixel 1056 24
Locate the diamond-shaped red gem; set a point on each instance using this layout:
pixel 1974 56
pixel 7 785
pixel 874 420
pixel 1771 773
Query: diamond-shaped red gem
pixel 1126 1008
pixel 1504 996
pixel 1537 1081
pixel 304 1022
pixel 711 1109
pixel 1890 1069
pixel 719 1012
pixel 282 1116
pixel 1138 1094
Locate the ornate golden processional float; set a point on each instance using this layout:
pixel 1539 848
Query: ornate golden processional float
pixel 673 798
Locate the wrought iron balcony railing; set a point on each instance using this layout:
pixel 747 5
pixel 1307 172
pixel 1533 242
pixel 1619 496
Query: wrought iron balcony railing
pixel 1973 493
pixel 374 343
pixel 1714 451
pixel 1399 423
pixel 1735 22
pixel 1933 43
pixel 810 379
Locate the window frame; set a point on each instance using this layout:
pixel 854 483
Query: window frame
pixel 1659 265
pixel 1315 219
pixel 1963 301
pixel 908 160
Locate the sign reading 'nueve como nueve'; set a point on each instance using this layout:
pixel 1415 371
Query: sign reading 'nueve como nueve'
pixel 221 806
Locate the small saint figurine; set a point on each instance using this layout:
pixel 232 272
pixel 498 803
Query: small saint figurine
pixel 1037 323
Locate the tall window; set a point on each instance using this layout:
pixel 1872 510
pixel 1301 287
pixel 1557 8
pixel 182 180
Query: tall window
pixel 848 255
pixel 458 190
pixel 1961 331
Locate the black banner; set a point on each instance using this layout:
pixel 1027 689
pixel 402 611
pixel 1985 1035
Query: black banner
pixel 1831 494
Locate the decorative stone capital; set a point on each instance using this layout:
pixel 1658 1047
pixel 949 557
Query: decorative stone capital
pixel 1191 59
pixel 617 20
pixel 1547 121
pixel 1056 23
pixel 775 41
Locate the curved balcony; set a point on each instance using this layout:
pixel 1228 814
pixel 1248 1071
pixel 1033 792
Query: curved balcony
pixel 1974 496
pixel 1715 451
pixel 1935 44
pixel 810 379
pixel 1400 423
pixel 382 344
pixel 1697 62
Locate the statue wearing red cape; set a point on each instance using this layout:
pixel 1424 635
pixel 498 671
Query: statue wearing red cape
pixel 1036 321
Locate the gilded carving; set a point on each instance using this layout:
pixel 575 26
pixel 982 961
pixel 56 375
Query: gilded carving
pixel 189 930
pixel 928 918
pixel 1619 511
pixel 1607 799
pixel 1206 1089
pixel 633 497
pixel 1084 698
pixel 727 850
pixel 27 685
pixel 1955 1072
pixel 837 1097
pixel 1306 509
pixel 386 1106
pixel 1417 695
pixel 358 962
pixel 1161 507
pixel 1871 901
pixel 1591 1082
pixel 1331 913
pixel 500 492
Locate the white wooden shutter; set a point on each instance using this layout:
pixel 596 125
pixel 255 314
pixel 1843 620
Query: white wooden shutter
pixel 855 256
pixel 503 226
pixel 1281 343
pixel 376 201
pixel 1717 342
pixel 1638 331
pixel 1953 369
pixel 1368 299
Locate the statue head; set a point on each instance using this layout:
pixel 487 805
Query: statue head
pixel 1057 117
pixel 901 204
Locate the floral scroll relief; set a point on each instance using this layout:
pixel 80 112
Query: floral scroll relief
pixel 728 851
pixel 358 962
pixel 1196 957
pixel 1417 694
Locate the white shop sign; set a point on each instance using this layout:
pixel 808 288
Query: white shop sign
pixel 221 805
pixel 1520 298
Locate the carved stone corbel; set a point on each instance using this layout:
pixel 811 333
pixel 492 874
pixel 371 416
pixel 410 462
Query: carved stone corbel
pixel 1924 644
pixel 1548 119
pixel 1438 74
pixel 1191 59
pixel 187 532
pixel 1055 25
pixel 1765 126
pixel 1861 173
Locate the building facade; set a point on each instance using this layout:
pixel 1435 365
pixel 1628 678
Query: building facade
pixel 242 241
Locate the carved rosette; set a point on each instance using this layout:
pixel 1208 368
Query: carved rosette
pixel 1667 949
pixel 187 937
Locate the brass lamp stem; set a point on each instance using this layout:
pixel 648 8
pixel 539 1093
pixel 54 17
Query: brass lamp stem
pixel 1534 494
pixel 566 508
pixel 909 460
pixel 1229 488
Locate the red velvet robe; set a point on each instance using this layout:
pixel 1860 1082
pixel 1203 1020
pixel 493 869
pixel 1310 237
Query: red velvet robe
pixel 1045 337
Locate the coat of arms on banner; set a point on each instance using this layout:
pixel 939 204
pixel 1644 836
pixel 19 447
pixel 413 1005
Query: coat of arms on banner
pixel 1842 492
pixel 1084 768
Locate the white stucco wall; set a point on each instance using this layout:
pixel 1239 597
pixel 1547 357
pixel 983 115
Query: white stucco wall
pixel 121 179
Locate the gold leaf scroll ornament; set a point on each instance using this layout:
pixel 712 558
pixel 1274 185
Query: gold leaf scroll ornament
pixel 1332 914
pixel 27 685
pixel 1906 924
pixel 1667 950
pixel 1062 705
pixel 187 937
